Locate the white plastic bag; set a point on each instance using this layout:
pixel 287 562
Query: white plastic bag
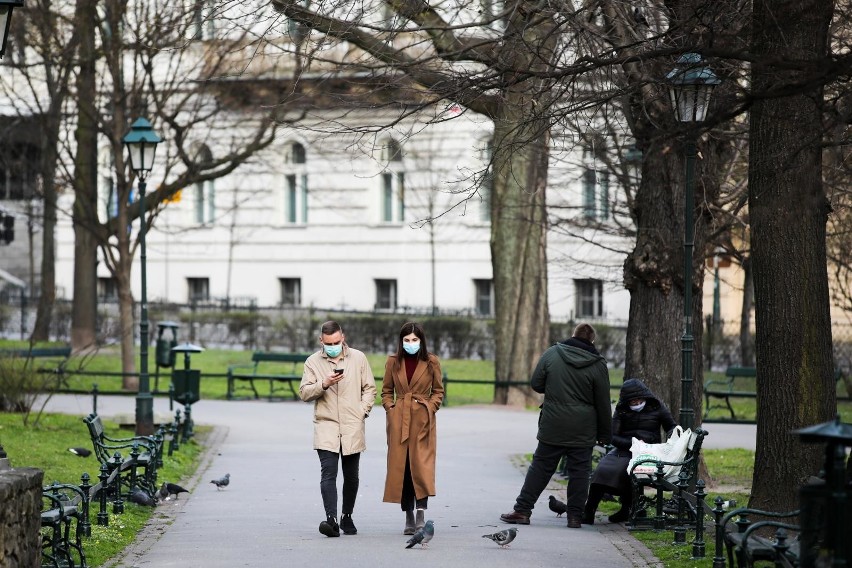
pixel 672 450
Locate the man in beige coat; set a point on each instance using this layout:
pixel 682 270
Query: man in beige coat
pixel 340 383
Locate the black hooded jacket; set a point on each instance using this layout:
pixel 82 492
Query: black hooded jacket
pixel 645 424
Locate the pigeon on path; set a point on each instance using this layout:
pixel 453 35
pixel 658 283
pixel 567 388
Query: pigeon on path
pixel 222 481
pixel 82 452
pixel 141 498
pixel 174 489
pixel 557 506
pixel 503 538
pixel 423 535
pixel 163 493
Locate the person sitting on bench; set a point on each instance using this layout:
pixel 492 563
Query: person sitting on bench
pixel 638 414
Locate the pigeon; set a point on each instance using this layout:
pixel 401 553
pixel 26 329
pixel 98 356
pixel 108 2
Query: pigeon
pixel 423 535
pixel 503 538
pixel 141 498
pixel 222 481
pixel 174 488
pixel 82 452
pixel 163 493
pixel 557 506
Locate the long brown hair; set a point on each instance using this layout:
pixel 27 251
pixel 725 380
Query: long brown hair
pixel 407 329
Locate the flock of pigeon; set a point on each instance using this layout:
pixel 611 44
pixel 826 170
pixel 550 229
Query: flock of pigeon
pixel 422 536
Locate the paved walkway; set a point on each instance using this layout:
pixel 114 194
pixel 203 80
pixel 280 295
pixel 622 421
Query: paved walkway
pixel 269 514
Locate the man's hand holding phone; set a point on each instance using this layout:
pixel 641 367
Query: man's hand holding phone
pixel 333 379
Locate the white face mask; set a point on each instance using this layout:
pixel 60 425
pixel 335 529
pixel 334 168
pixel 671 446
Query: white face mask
pixel 637 407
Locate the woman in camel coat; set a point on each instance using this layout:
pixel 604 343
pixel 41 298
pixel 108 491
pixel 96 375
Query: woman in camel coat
pixel 412 392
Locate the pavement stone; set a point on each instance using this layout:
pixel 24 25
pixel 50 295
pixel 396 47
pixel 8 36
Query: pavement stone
pixel 270 513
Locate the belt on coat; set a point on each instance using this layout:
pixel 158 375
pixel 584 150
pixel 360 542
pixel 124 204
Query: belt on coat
pixel 407 401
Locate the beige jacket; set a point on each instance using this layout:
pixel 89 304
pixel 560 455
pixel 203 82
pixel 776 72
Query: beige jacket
pixel 339 411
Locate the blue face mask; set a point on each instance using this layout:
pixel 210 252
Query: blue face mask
pixel 411 348
pixel 333 350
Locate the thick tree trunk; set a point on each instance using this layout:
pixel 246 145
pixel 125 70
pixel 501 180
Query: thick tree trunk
pixel 47 284
pixel 653 273
pixel 518 256
pixel 84 308
pixel 788 210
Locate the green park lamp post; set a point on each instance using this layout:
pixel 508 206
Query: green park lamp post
pixel 6 7
pixel 141 144
pixel 691 83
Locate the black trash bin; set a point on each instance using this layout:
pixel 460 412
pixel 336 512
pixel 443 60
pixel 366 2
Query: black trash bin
pixel 164 357
pixel 187 385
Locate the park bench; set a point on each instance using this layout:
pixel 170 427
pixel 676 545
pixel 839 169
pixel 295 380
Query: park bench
pixel 137 470
pixel 65 516
pixel 51 360
pixel 726 388
pixel 267 366
pixel 659 501
pixel 731 387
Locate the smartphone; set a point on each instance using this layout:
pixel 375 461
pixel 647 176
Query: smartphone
pixel 338 371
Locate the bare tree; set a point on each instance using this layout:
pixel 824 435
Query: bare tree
pixel 41 55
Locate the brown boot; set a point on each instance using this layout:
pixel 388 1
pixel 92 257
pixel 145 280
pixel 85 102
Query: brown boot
pixel 421 519
pixel 409 523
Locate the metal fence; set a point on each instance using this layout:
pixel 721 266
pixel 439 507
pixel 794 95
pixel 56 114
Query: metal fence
pixel 243 325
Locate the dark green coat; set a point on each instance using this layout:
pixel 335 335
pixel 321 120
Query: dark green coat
pixel 576 411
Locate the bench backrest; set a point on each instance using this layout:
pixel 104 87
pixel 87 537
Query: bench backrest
pixel 37 352
pixel 96 433
pixel 270 357
pixel 691 460
pixel 741 372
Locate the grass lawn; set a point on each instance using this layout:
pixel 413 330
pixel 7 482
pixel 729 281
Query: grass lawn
pixel 45 446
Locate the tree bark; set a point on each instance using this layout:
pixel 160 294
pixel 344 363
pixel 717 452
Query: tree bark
pixel 518 258
pixel 84 307
pixel 47 284
pixel 788 210
pixel 653 273
pixel 746 341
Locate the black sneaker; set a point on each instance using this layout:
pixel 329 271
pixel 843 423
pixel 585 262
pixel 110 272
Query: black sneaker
pixel 347 525
pixel 329 527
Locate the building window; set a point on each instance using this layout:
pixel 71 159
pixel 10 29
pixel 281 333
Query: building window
pixel 291 291
pixel 484 302
pixel 18 171
pixel 203 21
pixel 107 289
pixel 296 199
pixel 205 202
pixel 296 184
pixel 198 289
pixel 491 10
pixel 295 30
pixel 596 205
pixel 393 197
pixel 589 298
pixel 385 294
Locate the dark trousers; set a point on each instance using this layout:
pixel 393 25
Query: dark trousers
pixel 596 493
pixel 409 497
pixel 328 481
pixel 578 466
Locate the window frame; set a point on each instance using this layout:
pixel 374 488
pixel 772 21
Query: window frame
pixel 588 294
pixel 392 294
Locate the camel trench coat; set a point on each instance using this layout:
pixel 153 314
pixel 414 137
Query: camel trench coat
pixel 339 411
pixel 411 428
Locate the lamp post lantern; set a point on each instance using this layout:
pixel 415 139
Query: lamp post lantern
pixel 690 85
pixel 141 144
pixel 6 7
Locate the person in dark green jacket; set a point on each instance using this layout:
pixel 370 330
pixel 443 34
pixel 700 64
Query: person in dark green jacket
pixel 575 415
